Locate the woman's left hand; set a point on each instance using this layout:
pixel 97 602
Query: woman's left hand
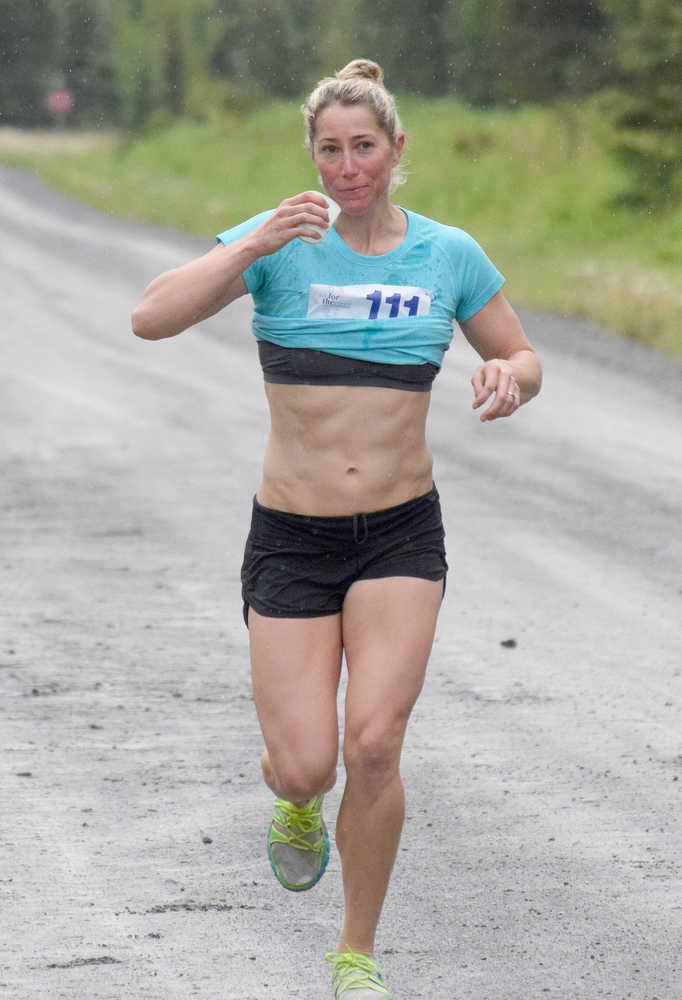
pixel 495 378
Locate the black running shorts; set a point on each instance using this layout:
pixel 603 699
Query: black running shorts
pixel 296 566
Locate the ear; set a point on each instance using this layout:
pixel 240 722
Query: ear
pixel 398 148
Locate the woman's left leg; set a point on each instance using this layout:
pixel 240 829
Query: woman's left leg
pixel 388 630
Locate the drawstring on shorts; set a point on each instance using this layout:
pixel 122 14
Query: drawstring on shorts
pixel 360 535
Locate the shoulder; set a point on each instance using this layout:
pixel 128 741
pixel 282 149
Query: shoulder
pixel 449 237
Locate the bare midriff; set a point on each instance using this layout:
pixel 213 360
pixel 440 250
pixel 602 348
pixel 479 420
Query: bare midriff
pixel 340 450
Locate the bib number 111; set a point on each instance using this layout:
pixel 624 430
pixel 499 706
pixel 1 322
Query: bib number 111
pixel 394 301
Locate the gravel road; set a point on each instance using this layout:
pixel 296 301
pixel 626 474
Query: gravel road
pixel 542 852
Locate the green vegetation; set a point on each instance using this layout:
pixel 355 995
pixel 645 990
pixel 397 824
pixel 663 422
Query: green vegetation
pixel 647 107
pixel 537 187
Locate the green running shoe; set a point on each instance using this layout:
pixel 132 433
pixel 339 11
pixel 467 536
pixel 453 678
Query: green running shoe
pixel 298 844
pixel 356 976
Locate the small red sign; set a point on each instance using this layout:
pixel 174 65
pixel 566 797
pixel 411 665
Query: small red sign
pixel 59 102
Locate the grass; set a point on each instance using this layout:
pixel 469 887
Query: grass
pixel 535 186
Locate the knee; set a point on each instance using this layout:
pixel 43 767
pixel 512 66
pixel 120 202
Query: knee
pixel 298 779
pixel 372 756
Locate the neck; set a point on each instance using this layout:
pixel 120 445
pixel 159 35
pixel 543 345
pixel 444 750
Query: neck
pixel 378 231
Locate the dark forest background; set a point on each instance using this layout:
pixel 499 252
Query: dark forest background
pixel 135 64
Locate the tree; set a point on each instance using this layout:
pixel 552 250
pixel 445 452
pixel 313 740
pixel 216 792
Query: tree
pixel 141 61
pixel 81 58
pixel 159 48
pixel 519 51
pixel 26 38
pixel 407 38
pixel 649 54
pixel 273 45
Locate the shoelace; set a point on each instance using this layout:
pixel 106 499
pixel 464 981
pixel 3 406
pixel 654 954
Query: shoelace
pixel 297 820
pixel 354 970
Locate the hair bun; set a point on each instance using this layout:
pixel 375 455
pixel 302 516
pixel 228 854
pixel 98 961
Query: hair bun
pixel 361 68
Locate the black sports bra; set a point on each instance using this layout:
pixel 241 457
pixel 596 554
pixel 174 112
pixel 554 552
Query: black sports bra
pixel 307 366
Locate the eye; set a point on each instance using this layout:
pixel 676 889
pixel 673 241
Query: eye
pixel 328 147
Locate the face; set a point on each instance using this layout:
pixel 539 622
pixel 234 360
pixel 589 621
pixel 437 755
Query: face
pixel 354 156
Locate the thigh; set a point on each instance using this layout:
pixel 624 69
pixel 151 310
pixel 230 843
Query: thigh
pixel 388 630
pixel 295 669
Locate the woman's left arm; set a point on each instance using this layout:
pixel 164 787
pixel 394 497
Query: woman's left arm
pixel 511 371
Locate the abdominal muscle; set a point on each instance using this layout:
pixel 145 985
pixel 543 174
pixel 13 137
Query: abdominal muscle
pixel 340 450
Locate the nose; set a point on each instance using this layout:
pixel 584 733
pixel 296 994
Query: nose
pixel 349 166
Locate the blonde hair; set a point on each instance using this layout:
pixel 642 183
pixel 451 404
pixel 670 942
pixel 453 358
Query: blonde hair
pixel 360 82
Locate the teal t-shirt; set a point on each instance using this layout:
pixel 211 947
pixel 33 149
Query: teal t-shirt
pixel 395 308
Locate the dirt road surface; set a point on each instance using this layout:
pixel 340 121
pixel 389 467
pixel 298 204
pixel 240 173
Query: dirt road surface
pixel 541 856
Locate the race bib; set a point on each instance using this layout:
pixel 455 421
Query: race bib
pixel 367 301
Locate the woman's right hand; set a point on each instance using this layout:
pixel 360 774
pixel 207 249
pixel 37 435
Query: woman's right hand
pixel 293 217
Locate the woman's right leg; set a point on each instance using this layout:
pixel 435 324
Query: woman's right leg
pixel 295 669
pixel 295 666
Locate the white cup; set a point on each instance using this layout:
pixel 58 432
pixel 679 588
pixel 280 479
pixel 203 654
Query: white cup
pixel 333 211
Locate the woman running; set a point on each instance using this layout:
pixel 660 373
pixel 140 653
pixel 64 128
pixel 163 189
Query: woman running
pixel 345 553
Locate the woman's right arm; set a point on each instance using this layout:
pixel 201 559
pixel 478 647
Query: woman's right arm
pixel 187 295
